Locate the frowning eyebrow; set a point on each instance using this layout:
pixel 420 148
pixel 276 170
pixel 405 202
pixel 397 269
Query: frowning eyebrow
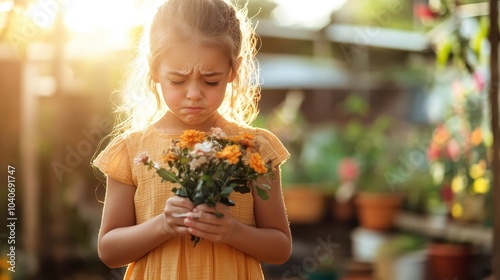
pixel 178 73
pixel 211 74
pixel 187 73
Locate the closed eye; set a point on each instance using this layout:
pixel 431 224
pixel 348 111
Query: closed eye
pixel 212 84
pixel 176 83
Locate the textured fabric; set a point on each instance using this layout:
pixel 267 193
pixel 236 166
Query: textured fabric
pixel 177 258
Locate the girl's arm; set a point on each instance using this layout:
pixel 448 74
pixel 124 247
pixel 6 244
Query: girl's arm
pixel 121 241
pixel 270 241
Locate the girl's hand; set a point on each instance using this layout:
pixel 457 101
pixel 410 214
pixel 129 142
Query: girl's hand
pixel 204 223
pixel 173 218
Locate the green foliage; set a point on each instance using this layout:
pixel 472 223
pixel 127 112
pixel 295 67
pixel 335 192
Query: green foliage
pixel 369 143
pixel 318 151
pixel 401 244
pixel 385 14
pixel 466 46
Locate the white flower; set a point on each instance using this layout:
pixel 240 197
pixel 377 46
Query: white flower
pixel 202 149
pixel 156 165
pixel 141 158
pixel 217 133
pixel 197 162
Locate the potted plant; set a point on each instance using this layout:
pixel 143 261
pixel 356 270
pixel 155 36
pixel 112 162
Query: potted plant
pixel 305 174
pixel 401 257
pixel 369 149
pixel 308 177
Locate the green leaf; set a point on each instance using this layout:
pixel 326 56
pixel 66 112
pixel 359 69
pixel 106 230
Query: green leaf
pixel 443 52
pixel 199 186
pixel 227 190
pixel 262 193
pixel 167 175
pixel 180 192
pixel 209 181
pixel 266 186
pixel 199 198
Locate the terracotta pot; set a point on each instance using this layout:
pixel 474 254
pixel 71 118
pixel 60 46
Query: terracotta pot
pixel 449 261
pixel 304 205
pixel 377 211
pixel 343 211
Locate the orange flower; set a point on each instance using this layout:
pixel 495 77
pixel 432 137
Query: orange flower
pixel 441 135
pixel 191 137
pixel 257 164
pixel 168 156
pixel 476 137
pixel 246 140
pixel 231 153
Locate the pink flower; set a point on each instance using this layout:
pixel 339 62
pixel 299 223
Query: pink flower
pixel 202 149
pixel 197 162
pixel 218 133
pixel 452 150
pixel 479 81
pixel 348 170
pixel 142 158
pixel 425 13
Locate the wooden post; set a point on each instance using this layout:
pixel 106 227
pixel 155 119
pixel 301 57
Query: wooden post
pixel 493 96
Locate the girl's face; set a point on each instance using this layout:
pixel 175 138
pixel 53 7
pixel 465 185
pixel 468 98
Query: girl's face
pixel 193 80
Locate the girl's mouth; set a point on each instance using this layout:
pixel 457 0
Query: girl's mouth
pixel 193 109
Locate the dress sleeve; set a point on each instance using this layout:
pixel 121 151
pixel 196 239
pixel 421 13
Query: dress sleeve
pixel 271 147
pixel 115 161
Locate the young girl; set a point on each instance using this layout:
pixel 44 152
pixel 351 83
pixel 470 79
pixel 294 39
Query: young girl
pixel 200 74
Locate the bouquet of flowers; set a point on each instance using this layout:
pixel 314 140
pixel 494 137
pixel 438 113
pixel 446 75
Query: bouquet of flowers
pixel 208 167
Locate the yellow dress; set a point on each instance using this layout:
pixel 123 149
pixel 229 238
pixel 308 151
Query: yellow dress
pixel 177 258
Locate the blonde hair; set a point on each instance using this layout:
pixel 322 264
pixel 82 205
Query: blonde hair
pixel 213 22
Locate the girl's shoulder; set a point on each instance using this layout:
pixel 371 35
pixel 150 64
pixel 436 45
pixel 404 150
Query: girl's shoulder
pixel 231 128
pixel 271 147
pixel 149 132
pixel 138 139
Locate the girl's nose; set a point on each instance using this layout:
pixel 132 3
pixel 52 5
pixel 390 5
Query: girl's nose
pixel 194 92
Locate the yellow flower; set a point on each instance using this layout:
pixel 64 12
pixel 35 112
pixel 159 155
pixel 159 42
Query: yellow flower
pixel 257 164
pixel 231 153
pixel 481 185
pixel 457 184
pixel 477 170
pixel 191 137
pixel 457 210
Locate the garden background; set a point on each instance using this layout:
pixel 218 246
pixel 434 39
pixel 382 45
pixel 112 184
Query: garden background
pixel 372 98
